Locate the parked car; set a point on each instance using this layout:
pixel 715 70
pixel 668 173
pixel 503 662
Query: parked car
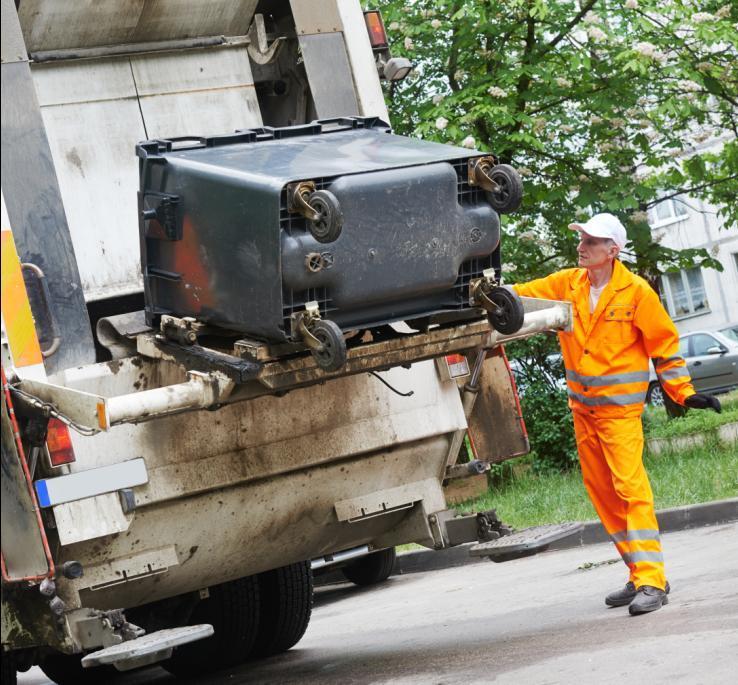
pixel 712 360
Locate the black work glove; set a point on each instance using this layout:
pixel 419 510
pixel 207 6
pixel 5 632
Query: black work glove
pixel 702 401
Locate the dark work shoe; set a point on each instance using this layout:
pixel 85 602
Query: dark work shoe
pixel 647 599
pixel 622 597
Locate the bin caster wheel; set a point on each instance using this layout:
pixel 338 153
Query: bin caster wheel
pixel 327 227
pixel 332 356
pixel 507 199
pixel 509 314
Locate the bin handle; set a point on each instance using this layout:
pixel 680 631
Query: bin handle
pixel 46 297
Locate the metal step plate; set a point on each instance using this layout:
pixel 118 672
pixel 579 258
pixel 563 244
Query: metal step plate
pixel 147 649
pixel 524 543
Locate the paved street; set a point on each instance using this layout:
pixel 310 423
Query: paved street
pixel 532 621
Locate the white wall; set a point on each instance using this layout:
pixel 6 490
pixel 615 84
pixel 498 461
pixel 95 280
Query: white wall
pixel 702 228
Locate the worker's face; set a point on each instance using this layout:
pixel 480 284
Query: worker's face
pixel 595 252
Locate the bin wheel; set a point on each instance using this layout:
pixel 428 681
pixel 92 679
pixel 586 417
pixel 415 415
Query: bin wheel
pixel 507 199
pixel 509 315
pixel 327 227
pixel 333 355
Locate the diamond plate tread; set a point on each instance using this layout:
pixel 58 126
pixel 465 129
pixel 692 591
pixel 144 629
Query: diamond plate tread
pixel 148 644
pixel 527 540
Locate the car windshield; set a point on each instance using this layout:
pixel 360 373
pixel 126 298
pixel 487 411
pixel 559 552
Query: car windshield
pixel 731 332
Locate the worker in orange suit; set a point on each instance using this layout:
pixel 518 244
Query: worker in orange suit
pixel 619 325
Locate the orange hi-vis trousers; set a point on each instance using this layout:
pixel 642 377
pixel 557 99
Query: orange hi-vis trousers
pixel 611 455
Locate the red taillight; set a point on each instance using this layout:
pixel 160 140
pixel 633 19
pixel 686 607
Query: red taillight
pixel 375 26
pixel 59 443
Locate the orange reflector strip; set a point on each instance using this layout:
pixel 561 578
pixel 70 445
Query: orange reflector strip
pixel 455 358
pixel 375 26
pixel 102 416
pixel 59 443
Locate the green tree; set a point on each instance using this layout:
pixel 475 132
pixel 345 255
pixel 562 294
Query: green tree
pixel 600 104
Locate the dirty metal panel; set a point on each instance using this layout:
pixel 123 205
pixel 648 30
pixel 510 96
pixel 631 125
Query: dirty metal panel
pixel 90 518
pixel 382 502
pixel 12 46
pixel 496 424
pixel 196 93
pixel 22 545
pixel 329 74
pixel 54 25
pixel 92 133
pixel 258 525
pixel 132 567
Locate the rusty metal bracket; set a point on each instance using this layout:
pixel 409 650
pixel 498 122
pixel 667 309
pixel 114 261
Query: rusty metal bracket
pixel 297 199
pixel 479 173
pixel 302 323
pixel 182 331
pixel 479 289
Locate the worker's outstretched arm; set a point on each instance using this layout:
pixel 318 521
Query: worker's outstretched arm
pixel 551 287
pixel 662 345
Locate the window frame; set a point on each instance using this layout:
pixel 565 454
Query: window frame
pixel 668 298
pixel 677 213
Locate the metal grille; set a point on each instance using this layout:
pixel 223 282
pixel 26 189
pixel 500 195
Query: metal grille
pixel 294 224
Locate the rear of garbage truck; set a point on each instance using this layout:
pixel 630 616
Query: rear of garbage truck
pixel 265 364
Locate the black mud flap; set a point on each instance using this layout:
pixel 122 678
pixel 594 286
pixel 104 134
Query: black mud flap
pixel 525 543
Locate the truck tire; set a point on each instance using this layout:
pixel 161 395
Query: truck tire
pixel 287 602
pixel 66 669
pixel 371 569
pixel 233 611
pixel 9 676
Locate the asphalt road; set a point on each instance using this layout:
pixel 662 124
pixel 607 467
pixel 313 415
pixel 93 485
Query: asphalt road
pixel 534 621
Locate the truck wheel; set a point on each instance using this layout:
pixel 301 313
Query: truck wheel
pixel 9 676
pixel 371 569
pixel 286 604
pixel 66 669
pixel 233 611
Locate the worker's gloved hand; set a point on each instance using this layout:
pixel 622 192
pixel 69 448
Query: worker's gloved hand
pixel 701 401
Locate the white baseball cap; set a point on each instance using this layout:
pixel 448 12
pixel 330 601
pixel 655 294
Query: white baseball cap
pixel 604 226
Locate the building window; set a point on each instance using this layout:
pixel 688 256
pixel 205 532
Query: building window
pixel 683 293
pixel 735 260
pixel 667 212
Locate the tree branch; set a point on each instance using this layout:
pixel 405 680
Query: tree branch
pixel 564 32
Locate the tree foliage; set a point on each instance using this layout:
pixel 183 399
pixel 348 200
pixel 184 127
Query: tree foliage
pixel 602 105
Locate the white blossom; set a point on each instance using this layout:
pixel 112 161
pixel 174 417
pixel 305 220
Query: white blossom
pixel 656 237
pixel 580 212
pixel 563 83
pixel 704 66
pixel 528 236
pixel 469 142
pixel 723 12
pixel 645 49
pixel 539 124
pixel 438 99
pixel 690 86
pixel 524 171
pixel 592 18
pixel 507 267
pixel 639 217
pixel 617 123
pixel 606 147
pixel 409 45
pixel 394 26
pixel 567 129
pixel 496 92
pixel 596 34
pixel 701 137
pixel 459 75
pixel 631 4
pixel 583 178
pixel 702 17
pixel 596 120
pixel 441 123
pixel 436 23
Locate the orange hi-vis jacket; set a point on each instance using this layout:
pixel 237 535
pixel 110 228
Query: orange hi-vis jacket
pixel 607 354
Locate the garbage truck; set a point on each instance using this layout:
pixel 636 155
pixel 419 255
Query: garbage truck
pixel 246 329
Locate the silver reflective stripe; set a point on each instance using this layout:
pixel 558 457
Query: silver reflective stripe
pixel 617 400
pixel 638 534
pixel 635 557
pixel 660 361
pixel 674 373
pixel 612 379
